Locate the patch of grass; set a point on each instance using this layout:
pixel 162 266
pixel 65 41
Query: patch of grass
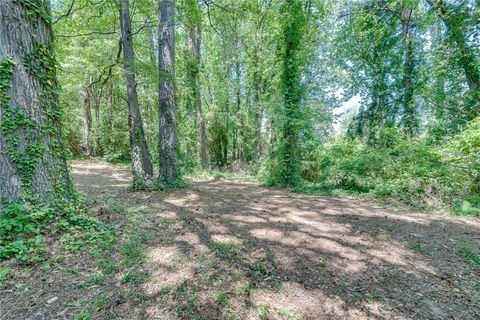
pixel 221 299
pixel 470 206
pixel 108 266
pixel 133 277
pixel 116 207
pixel 386 271
pixel 224 249
pixel 316 189
pixel 96 278
pixel 133 250
pixel 238 175
pixel 100 302
pixel 4 273
pixel 372 296
pixel 263 312
pixel 84 315
pixel 418 248
pixel 186 288
pixel 290 314
pixel 266 265
pixel 57 259
pixel 468 253
pixel 93 239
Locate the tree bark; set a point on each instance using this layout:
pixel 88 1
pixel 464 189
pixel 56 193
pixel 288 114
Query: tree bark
pixel 98 136
pixel 408 105
pixel 256 98
pixel 166 63
pixel 194 34
pixel 141 165
pixel 87 122
pixel 293 24
pixel 32 161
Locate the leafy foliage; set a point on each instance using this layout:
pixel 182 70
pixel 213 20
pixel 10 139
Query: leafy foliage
pixel 409 171
pixel 24 227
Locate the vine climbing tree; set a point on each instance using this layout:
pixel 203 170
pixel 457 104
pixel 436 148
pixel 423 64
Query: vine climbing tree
pixel 32 160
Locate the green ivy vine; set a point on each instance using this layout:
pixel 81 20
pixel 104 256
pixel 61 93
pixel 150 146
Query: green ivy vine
pixel 35 8
pixel 27 140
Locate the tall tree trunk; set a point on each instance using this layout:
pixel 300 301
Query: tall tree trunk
pixel 141 165
pixel 152 51
pixel 96 105
pixel 87 122
pixel 166 63
pixel 32 161
pixel 256 100
pixel 238 103
pixel 408 69
pixel 293 25
pixel 439 74
pixel 468 60
pixel 194 44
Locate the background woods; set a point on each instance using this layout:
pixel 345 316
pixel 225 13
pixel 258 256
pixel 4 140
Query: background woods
pixel 278 88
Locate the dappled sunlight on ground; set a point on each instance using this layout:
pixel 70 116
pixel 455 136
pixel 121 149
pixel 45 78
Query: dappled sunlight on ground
pixel 232 249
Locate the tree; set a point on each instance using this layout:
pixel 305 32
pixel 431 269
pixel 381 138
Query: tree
pixel 87 122
pixel 455 23
pixel 292 31
pixel 194 36
pixel 32 159
pixel 406 11
pixel 141 165
pixel 166 63
pixel 368 51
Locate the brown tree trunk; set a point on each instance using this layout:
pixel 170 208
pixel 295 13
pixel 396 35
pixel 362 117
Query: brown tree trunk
pixel 256 98
pixel 166 64
pixel 141 165
pixel 87 123
pixel 96 105
pixel 408 105
pixel 32 161
pixel 194 44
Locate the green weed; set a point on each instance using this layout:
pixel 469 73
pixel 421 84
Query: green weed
pixel 468 253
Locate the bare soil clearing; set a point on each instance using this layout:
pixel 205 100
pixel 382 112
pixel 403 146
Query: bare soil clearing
pixel 233 250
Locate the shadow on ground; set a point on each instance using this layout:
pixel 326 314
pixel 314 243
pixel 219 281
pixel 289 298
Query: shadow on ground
pixel 226 250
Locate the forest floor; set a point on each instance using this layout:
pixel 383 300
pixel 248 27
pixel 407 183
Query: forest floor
pixel 236 250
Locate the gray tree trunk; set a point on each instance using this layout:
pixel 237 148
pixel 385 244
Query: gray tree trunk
pixel 96 105
pixel 408 105
pixel 141 165
pixel 194 45
pixel 32 161
pixel 87 122
pixel 256 101
pixel 166 63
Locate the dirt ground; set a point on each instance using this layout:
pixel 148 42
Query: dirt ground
pixel 236 250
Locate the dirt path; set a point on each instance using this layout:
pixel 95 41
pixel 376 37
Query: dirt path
pixel 244 251
pixel 231 250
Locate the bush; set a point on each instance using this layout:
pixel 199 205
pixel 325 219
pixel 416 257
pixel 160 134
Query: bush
pixel 409 171
pixel 24 226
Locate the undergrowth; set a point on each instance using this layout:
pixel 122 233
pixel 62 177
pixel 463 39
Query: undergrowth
pixel 410 172
pixel 25 227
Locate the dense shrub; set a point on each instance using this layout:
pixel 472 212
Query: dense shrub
pixel 23 228
pixel 412 172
